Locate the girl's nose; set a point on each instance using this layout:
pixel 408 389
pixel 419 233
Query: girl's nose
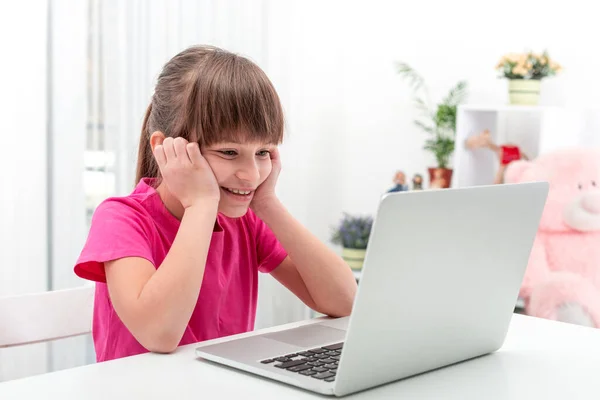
pixel 248 172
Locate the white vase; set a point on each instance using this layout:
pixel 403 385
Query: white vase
pixel 524 91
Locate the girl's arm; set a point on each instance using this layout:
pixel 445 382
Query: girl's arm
pixel 318 276
pixel 314 273
pixel 156 304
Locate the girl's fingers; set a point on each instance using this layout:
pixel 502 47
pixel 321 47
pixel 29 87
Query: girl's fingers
pixel 159 154
pixel 274 154
pixel 179 146
pixel 169 149
pixel 193 151
pixel 275 158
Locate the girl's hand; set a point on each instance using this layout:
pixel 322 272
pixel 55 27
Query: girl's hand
pixel 186 172
pixel 265 193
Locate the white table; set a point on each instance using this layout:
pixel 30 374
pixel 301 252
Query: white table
pixel 540 360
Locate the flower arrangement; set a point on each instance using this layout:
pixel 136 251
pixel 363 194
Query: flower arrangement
pixel 527 65
pixel 353 231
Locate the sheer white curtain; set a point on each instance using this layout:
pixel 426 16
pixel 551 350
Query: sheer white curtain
pixel 45 220
pixel 136 38
pixel 68 115
pixel 23 197
pixel 41 213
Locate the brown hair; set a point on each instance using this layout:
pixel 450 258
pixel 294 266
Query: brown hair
pixel 209 95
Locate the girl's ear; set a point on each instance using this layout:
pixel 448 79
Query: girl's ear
pixel 156 139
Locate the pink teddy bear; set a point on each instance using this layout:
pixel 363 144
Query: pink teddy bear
pixel 562 281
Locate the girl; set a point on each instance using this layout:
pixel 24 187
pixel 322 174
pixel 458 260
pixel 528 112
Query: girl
pixel 177 260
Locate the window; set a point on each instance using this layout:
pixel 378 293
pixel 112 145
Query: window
pixel 99 158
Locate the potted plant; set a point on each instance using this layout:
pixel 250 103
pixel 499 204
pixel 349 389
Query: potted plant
pixel 352 233
pixel 439 122
pixel 525 72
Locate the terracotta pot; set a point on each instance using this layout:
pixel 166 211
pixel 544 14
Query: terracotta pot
pixel 439 178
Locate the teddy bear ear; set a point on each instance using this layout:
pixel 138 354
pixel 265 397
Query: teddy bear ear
pixel 515 171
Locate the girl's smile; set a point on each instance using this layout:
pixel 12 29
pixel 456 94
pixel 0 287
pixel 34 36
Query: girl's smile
pixel 241 195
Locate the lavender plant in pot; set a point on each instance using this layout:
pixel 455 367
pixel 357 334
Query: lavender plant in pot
pixel 352 233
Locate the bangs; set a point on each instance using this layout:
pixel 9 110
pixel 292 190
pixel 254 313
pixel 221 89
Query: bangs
pixel 232 100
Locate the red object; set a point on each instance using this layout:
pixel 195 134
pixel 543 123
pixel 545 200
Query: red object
pixel 509 154
pixel 443 178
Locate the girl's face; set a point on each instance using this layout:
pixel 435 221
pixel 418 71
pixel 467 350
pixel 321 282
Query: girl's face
pixel 239 168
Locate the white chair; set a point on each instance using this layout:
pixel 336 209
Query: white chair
pixel 41 317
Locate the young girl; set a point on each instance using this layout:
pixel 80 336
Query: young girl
pixel 177 261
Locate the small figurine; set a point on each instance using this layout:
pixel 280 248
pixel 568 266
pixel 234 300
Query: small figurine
pixel 400 183
pixel 506 153
pixel 417 182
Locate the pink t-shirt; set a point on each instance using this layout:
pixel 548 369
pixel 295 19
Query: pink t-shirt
pixel 139 225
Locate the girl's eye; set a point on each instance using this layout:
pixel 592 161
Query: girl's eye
pixel 263 153
pixel 594 183
pixel 229 153
pixel 580 186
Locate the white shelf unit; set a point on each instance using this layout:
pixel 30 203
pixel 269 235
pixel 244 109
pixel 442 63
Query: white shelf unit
pixel 535 129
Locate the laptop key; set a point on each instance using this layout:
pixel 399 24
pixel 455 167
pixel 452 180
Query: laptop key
pixel 318 351
pixel 306 354
pixel 333 353
pixel 330 366
pixel 330 379
pixel 320 356
pixel 291 355
pixel 336 358
pixel 320 369
pixel 267 361
pixel 337 346
pixel 282 359
pixel 308 372
pixel 327 360
pixel 299 368
pixel 324 375
pixel 290 364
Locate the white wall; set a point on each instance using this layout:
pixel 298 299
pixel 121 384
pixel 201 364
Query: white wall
pixel 350 115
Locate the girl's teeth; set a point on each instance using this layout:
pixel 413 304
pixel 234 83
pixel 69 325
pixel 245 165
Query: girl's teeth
pixel 239 191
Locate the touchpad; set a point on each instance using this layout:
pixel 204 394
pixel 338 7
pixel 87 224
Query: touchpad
pixel 308 336
pixel 338 323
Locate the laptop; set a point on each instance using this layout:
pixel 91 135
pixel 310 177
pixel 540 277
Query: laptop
pixel 439 284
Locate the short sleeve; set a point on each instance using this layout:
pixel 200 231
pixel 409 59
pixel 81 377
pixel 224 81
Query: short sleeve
pixel 270 252
pixel 118 229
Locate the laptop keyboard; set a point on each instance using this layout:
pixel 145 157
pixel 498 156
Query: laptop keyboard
pixel 319 363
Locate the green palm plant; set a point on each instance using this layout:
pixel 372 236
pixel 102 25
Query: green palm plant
pixel 438 120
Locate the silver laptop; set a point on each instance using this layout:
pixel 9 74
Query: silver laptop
pixel 439 285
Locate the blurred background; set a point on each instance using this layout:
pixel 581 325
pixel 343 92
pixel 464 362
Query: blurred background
pixel 77 76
